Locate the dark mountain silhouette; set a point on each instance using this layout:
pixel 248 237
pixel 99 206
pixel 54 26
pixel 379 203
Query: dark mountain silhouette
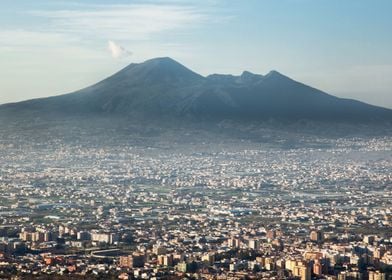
pixel 162 87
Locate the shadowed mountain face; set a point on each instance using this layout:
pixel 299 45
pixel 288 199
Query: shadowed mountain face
pixel 162 87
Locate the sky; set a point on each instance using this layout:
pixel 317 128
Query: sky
pixel 51 47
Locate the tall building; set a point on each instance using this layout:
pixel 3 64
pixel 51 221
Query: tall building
pixel 165 260
pixel 316 235
pixel 301 270
pixel 379 252
pixel 209 259
pixel 254 244
pixel 37 237
pixel 104 237
pixel 305 273
pixel 317 268
pixel 290 264
pixel 234 242
pixel 269 263
pixel 25 236
pixel 131 261
pixel 377 275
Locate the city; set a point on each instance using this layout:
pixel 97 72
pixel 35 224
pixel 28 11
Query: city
pixel 227 209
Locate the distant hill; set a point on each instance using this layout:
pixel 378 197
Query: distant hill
pixel 162 87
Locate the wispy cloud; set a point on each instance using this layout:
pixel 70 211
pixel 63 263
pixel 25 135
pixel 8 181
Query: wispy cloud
pixel 124 22
pixel 90 25
pixel 118 51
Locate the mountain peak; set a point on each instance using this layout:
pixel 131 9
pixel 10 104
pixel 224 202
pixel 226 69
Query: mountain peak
pixel 247 73
pixel 274 73
pixel 277 77
pixel 158 70
pixel 247 76
pixel 162 60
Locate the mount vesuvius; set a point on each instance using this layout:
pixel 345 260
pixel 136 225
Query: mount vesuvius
pixel 162 87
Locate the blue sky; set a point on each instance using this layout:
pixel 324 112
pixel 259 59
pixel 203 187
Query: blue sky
pixel 344 47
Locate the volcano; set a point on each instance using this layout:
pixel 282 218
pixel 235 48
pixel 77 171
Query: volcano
pixel 162 87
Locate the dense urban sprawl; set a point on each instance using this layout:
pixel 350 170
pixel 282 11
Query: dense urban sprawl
pixel 229 209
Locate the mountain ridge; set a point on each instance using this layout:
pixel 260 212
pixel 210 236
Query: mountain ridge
pixel 162 87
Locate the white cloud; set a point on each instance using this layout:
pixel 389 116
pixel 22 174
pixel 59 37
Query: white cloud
pixel 118 51
pixel 124 22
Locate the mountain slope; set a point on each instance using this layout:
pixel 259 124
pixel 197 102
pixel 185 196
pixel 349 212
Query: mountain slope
pixel 162 87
